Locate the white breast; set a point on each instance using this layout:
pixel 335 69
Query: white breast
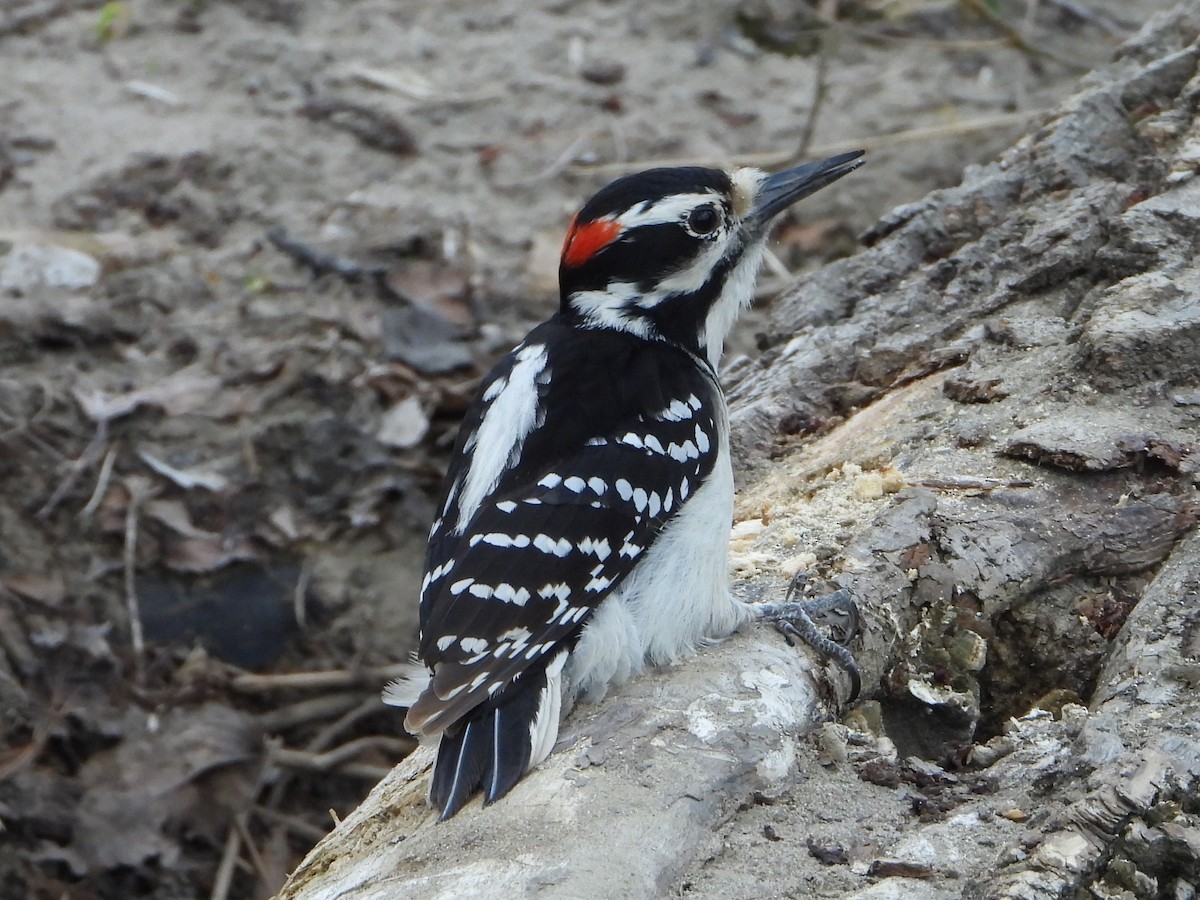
pixel 676 599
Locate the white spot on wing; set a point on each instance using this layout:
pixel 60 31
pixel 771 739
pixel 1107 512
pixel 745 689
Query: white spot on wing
pixel 509 594
pixel 684 453
pixel 600 548
pixel 498 539
pixel 676 412
pixel 547 544
pixel 562 591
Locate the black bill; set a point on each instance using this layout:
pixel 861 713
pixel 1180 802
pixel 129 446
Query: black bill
pixel 781 190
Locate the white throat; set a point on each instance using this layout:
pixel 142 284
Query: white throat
pixel 735 296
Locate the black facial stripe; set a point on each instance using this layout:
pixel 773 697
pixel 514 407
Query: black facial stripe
pixel 643 256
pixel 652 186
pixel 681 319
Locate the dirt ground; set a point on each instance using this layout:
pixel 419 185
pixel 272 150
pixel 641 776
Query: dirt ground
pixel 253 258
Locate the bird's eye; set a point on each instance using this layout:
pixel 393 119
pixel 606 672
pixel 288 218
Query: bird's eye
pixel 703 220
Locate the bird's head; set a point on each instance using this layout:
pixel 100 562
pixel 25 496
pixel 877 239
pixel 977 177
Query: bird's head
pixel 672 254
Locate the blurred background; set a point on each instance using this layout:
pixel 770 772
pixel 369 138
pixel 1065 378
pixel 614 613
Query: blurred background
pixel 255 256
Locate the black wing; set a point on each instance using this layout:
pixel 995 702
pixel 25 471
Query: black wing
pixel 627 434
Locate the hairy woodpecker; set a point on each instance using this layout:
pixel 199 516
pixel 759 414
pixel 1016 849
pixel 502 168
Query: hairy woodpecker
pixel 585 525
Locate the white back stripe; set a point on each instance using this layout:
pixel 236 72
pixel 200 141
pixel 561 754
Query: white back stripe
pixel 509 419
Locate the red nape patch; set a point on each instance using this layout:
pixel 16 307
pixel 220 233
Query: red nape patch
pixel 586 240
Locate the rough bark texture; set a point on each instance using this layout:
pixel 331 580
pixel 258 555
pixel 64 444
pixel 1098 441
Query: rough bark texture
pixel 984 426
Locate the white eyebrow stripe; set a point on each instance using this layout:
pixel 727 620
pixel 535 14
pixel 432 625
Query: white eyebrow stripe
pixel 670 209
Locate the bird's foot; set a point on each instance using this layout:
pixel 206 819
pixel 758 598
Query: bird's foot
pixel 837 612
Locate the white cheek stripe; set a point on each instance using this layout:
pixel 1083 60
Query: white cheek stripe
pixel 607 308
pixel 691 278
pixel 502 432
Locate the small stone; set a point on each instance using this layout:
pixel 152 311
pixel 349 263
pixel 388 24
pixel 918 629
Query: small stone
pixel 801 562
pixel 26 267
pixel 868 486
pixel 603 72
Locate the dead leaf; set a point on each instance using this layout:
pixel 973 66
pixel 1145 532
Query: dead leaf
pixel 404 424
pixel 48 589
pixel 184 391
pixel 186 478
pixel 135 789
pixel 174 515
pixel 424 341
pixel 284 519
pixel 436 288
pixel 206 554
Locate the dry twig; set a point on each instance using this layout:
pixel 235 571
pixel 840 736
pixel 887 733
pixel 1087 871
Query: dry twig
pixel 106 468
pixel 339 757
pixel 1014 36
pixel 311 710
pixel 818 100
pixel 973 484
pixel 229 857
pixel 251 683
pixel 300 595
pixel 564 160
pixel 139 489
pixel 768 160
pixel 80 465
pixel 298 827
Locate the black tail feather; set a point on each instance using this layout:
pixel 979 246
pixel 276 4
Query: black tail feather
pixel 488 749
pixel 462 758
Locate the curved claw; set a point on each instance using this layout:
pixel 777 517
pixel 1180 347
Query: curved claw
pixel 836 610
pixel 832 649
